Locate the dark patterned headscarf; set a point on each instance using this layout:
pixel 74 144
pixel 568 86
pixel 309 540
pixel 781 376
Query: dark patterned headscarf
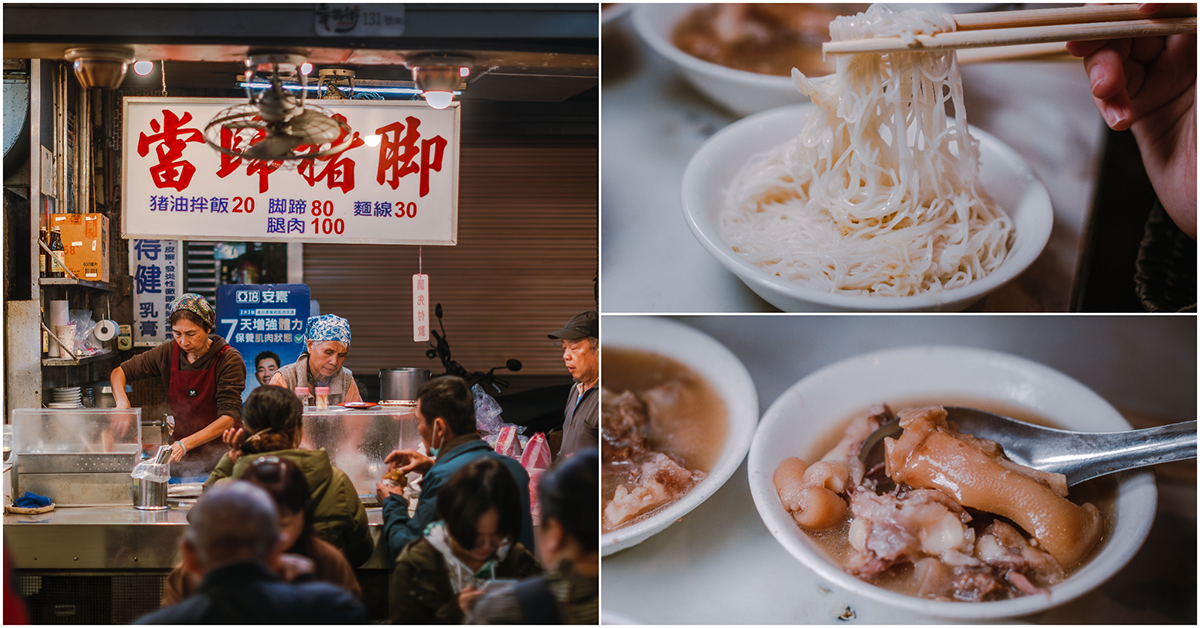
pixel 195 304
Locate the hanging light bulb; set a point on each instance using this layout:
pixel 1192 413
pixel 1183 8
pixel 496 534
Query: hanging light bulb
pixel 143 67
pixel 438 76
pixel 439 100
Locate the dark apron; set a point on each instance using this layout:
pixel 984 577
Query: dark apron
pixel 192 396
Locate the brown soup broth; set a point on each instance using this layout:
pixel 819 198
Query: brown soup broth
pixel 1101 492
pixel 762 38
pixel 694 428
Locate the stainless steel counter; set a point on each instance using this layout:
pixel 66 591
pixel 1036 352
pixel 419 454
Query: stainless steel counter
pixel 117 537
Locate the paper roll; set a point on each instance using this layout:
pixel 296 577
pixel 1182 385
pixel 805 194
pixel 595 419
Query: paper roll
pixel 106 330
pixel 59 315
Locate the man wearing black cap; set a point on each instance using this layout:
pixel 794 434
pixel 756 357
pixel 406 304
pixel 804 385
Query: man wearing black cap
pixel 581 353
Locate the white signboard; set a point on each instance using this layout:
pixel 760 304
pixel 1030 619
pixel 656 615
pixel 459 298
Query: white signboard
pixel 157 280
pixel 397 184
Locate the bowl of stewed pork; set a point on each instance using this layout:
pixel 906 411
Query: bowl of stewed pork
pixel 944 524
pixel 677 412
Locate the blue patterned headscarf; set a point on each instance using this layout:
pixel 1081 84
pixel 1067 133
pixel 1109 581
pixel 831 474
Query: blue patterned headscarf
pixel 329 327
pixel 199 306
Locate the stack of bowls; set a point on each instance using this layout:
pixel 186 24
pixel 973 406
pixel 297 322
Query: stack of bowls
pixel 66 397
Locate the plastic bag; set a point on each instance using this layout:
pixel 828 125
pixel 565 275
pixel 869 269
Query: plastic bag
pixel 152 472
pixel 536 460
pixel 536 454
pixel 487 412
pixel 535 508
pixel 508 443
pixel 85 340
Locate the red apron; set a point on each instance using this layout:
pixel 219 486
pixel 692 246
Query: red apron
pixel 192 396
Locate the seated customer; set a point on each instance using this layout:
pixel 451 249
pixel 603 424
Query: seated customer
pixel 272 417
pixel 446 423
pixel 474 542
pixel 233 544
pixel 306 557
pixel 567 538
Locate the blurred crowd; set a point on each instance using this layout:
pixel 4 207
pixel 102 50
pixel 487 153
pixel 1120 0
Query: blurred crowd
pixel 278 532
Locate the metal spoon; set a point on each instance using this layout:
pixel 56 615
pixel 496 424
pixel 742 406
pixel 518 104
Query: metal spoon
pixel 1078 455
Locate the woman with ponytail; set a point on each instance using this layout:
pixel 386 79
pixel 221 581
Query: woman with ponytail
pixel 272 419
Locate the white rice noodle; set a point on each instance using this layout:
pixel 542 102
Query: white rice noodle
pixel 845 207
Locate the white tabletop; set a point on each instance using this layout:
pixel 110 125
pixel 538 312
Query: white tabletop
pixel 720 565
pixel 652 121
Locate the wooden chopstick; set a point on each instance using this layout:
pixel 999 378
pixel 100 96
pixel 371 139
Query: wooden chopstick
pixel 1048 52
pixel 1068 15
pixel 981 35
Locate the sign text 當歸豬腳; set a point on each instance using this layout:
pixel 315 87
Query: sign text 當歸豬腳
pixel 396 184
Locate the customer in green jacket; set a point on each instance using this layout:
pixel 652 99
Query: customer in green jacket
pixel 446 423
pixel 272 419
pixel 473 543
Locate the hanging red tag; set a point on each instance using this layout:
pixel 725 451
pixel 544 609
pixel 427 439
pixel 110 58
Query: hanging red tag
pixel 420 307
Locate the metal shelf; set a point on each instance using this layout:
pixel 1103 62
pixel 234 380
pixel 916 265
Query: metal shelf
pixel 67 281
pixel 103 355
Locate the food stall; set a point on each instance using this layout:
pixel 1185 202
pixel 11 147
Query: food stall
pixel 426 131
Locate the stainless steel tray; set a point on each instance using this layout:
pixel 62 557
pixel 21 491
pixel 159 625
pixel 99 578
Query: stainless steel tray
pixel 78 489
pixel 76 463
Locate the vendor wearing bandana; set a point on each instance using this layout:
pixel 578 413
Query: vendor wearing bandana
pixel 204 378
pixel 328 342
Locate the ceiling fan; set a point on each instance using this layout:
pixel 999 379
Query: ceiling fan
pixel 276 125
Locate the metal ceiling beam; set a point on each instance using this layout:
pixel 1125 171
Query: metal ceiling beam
pixel 571 29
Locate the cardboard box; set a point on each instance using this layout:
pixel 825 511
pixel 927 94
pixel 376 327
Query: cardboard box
pixel 85 240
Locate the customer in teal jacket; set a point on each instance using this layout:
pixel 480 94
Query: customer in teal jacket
pixel 446 422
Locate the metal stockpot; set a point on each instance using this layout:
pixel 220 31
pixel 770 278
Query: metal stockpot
pixel 149 495
pixel 102 395
pixel 401 384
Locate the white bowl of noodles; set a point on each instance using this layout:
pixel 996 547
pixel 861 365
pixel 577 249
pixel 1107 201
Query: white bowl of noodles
pixel 823 400
pixel 1005 175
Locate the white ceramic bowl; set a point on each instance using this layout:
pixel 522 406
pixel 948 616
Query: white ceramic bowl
pixel 820 401
pixel 1004 174
pixel 727 375
pixel 739 91
pixel 614 12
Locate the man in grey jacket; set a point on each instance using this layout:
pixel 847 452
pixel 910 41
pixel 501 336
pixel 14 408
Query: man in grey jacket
pixel 581 354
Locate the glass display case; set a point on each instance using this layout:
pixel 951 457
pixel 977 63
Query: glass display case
pixel 76 457
pixel 359 440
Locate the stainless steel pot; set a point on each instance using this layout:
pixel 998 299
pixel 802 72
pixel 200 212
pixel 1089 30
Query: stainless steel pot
pixel 401 384
pixel 149 495
pixel 102 396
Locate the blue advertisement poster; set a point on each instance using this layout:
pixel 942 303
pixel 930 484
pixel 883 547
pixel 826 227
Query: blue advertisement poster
pixel 265 323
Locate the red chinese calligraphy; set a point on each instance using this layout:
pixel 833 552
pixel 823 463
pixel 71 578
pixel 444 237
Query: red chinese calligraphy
pixel 172 171
pixel 263 169
pixel 229 164
pixel 338 172
pixel 396 154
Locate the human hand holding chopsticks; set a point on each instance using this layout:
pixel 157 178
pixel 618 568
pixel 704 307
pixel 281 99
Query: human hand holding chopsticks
pixel 1148 85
